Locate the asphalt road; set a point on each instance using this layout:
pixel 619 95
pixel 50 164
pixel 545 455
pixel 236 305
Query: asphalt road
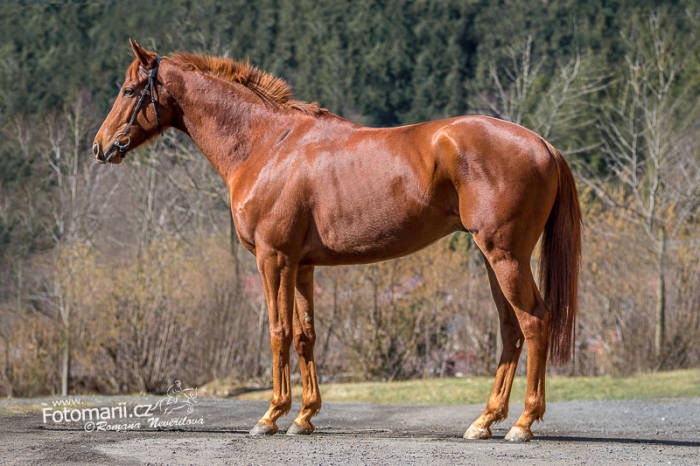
pixel 591 432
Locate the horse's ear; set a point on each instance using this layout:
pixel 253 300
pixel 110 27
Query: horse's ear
pixel 141 54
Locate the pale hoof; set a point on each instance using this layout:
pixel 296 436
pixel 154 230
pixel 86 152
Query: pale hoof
pixel 518 434
pixel 297 429
pixel 262 428
pixel 477 432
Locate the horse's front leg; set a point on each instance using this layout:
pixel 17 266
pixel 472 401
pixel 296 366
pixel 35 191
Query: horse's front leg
pixel 304 339
pixel 278 274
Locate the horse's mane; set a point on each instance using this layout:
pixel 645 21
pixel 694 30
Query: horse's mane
pixel 272 90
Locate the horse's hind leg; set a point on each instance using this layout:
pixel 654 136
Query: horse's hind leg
pixel 304 339
pixel 497 405
pixel 518 286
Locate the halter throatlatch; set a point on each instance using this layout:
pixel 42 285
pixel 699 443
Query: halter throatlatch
pixel 148 89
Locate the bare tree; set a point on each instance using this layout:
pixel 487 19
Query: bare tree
pixel 650 147
pixel 83 192
pixel 523 93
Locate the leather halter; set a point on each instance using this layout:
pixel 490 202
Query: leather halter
pixel 147 89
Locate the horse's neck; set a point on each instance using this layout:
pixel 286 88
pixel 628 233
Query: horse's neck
pixel 222 119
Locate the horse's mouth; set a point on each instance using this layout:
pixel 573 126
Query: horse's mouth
pixel 113 155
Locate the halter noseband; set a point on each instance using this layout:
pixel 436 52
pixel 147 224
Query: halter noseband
pixel 148 89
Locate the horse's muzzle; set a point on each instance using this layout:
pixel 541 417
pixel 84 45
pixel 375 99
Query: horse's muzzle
pixel 103 157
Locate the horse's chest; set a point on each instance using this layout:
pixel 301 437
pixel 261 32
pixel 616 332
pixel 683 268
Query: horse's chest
pixel 245 229
pixel 279 223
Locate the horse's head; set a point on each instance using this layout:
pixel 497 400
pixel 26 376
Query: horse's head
pixel 140 111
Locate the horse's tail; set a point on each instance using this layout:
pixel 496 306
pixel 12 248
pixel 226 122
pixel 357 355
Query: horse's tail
pixel 559 262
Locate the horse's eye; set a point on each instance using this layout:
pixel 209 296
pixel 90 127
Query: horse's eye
pixel 128 91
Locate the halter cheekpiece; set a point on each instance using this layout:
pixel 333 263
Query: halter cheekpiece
pixel 147 89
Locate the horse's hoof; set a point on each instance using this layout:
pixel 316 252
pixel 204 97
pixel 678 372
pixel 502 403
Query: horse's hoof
pixel 262 428
pixel 298 429
pixel 518 434
pixel 475 432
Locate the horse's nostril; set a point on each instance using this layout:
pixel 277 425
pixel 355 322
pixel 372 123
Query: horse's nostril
pixel 95 149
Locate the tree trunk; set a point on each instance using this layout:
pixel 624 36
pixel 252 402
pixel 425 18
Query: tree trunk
pixel 259 369
pixel 660 333
pixel 331 322
pixel 8 372
pixel 65 363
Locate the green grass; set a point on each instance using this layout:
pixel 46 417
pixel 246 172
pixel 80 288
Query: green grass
pixel 467 390
pixel 474 390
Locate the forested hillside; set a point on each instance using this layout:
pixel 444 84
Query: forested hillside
pixel 121 278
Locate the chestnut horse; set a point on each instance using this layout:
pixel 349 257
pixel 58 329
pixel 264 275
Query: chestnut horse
pixel 310 188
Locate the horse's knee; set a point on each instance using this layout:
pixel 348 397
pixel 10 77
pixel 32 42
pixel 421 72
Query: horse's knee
pixel 304 341
pixel 280 337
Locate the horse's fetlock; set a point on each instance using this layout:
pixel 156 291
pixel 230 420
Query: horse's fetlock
pixel 312 403
pixel 500 414
pixel 282 403
pixel 535 405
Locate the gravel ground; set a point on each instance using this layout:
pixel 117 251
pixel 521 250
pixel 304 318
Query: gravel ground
pixel 588 432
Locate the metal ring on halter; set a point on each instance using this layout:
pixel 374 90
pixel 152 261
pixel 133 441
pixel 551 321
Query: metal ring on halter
pixel 122 147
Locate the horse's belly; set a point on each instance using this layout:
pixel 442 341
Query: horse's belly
pixel 377 232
